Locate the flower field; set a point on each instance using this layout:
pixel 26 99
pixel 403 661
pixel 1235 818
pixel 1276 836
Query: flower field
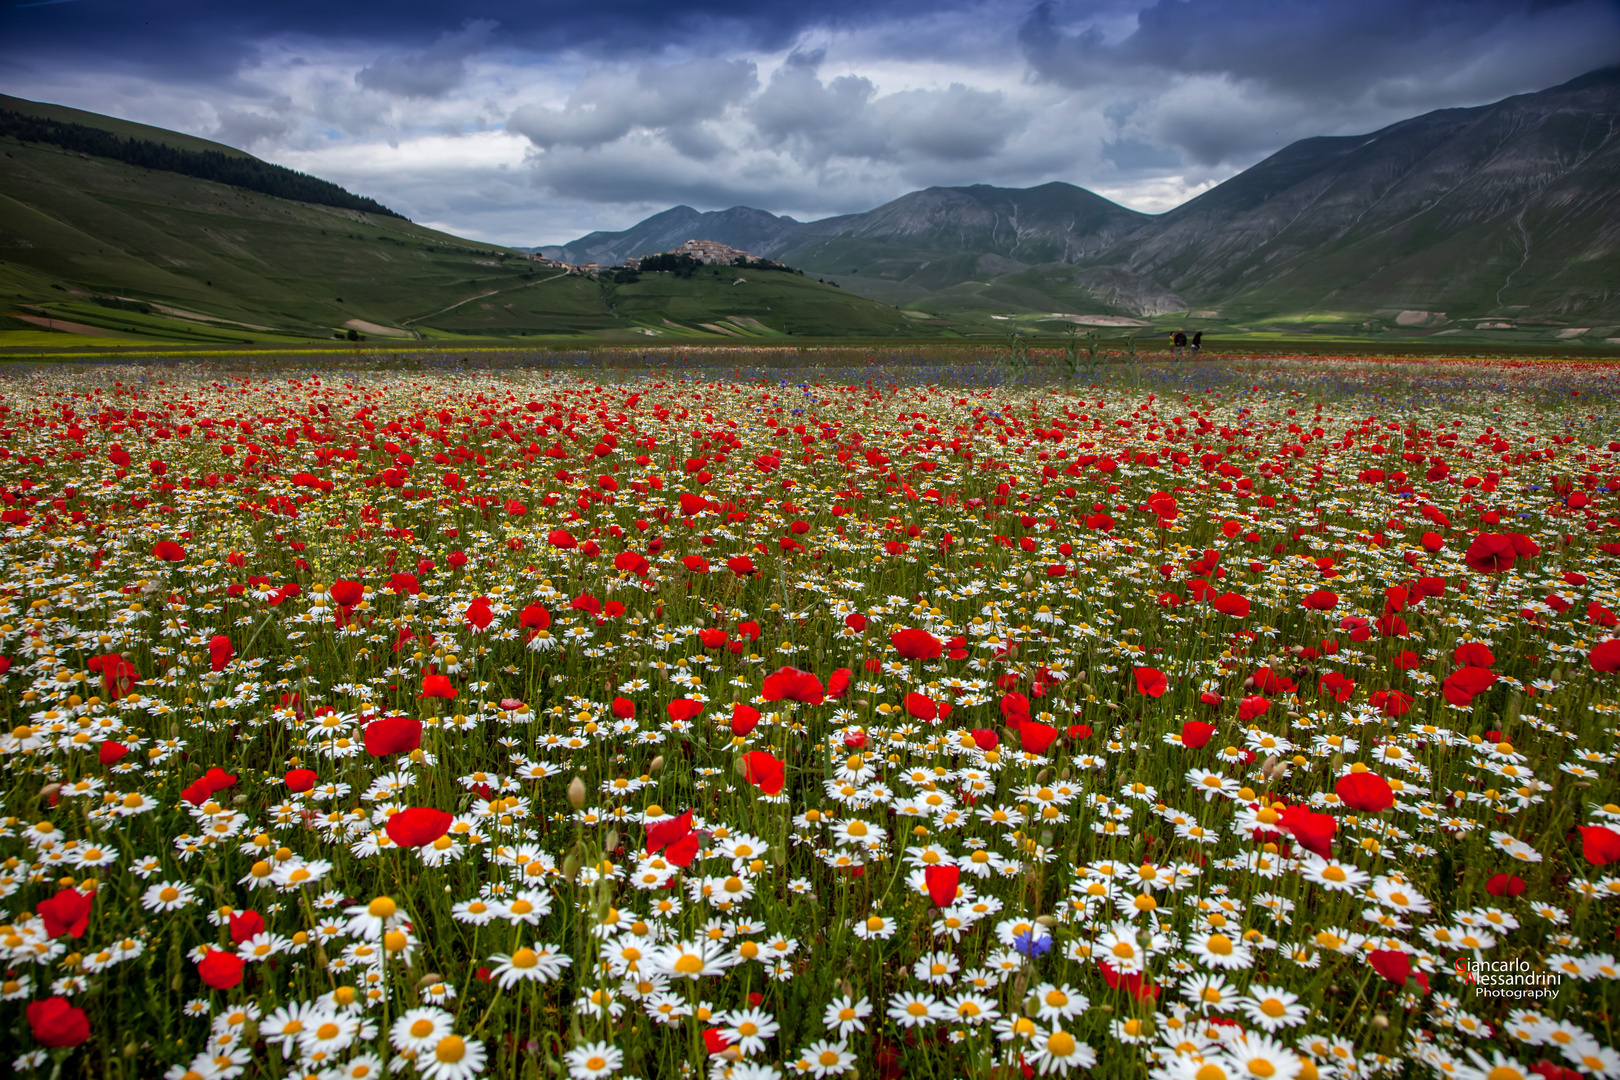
pixel 1258 725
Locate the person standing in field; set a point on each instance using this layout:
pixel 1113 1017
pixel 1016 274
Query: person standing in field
pixel 1180 342
pixel 1197 342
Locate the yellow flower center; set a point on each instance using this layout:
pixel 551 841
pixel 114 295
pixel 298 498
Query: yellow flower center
pixel 450 1049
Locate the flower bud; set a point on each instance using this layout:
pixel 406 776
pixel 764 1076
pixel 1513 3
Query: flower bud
pixel 576 793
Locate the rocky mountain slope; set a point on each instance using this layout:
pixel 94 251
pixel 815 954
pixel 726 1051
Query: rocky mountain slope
pixel 1497 210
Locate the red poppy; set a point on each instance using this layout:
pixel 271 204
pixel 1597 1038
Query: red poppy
pixel 168 551
pixel 1392 702
pixel 1461 687
pixel 791 684
pixel 631 562
pixel 662 833
pixel 1490 553
pixel 1322 600
pixel 220 652
pixel 393 735
pixel 1473 654
pixel 712 638
pixel 1195 734
pixel 478 613
pixel 220 970
pixel 347 593
pixel 683 709
pixel 1034 737
pixel 1151 681
pixel 111 752
pixel 55 1022
pixel 436 686
pixel 914 644
pixel 624 708
pixel 741 565
pixel 1133 982
pixel 985 738
pixel 1600 845
pixel 67 913
pixel 418 826
pixel 855 621
pixel 744 718
pixel 1313 831
pixel 1267 681
pixel 942 883
pixel 245 924
pixel 1392 964
pixel 300 780
pixel 561 538
pixel 206 786
pixel 534 617
pixel 921 706
pixel 838 683
pixel 764 772
pixel 1337 687
pixel 682 851
pixel 1365 791
pixel 1253 706
pixel 1232 604
pixel 1505 885
pixel 1605 656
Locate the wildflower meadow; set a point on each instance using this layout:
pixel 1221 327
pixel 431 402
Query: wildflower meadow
pixel 1252 721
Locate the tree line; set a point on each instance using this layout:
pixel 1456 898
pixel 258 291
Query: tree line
pixel 243 172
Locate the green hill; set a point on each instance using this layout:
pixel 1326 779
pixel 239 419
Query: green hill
pixel 94 246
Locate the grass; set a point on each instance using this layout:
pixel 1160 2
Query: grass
pixel 73 228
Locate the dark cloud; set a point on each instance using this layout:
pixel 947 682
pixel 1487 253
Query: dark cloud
pixel 1321 48
pixel 608 105
pixel 214 39
pixel 435 71
pixel 846 117
pixel 1272 71
pixel 790 106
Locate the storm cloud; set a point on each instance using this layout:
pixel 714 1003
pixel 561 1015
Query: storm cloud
pixel 433 72
pixel 530 121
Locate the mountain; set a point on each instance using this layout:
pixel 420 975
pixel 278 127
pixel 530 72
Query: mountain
pixel 120 231
pixel 939 237
pixel 742 227
pixel 1507 212
pixel 1510 209
pixel 920 242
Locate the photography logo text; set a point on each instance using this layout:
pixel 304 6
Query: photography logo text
pixel 1507 978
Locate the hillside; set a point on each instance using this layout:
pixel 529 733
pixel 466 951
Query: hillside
pixel 1503 211
pixel 903 250
pixel 101 248
pixel 1491 222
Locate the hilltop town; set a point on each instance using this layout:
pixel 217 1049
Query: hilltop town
pixel 707 252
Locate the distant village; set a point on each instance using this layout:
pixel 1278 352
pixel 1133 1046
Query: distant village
pixel 708 252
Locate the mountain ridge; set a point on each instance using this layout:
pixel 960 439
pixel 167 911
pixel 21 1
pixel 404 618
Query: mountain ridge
pixel 1509 209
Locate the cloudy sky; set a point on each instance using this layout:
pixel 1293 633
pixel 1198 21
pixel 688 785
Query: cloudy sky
pixel 535 121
